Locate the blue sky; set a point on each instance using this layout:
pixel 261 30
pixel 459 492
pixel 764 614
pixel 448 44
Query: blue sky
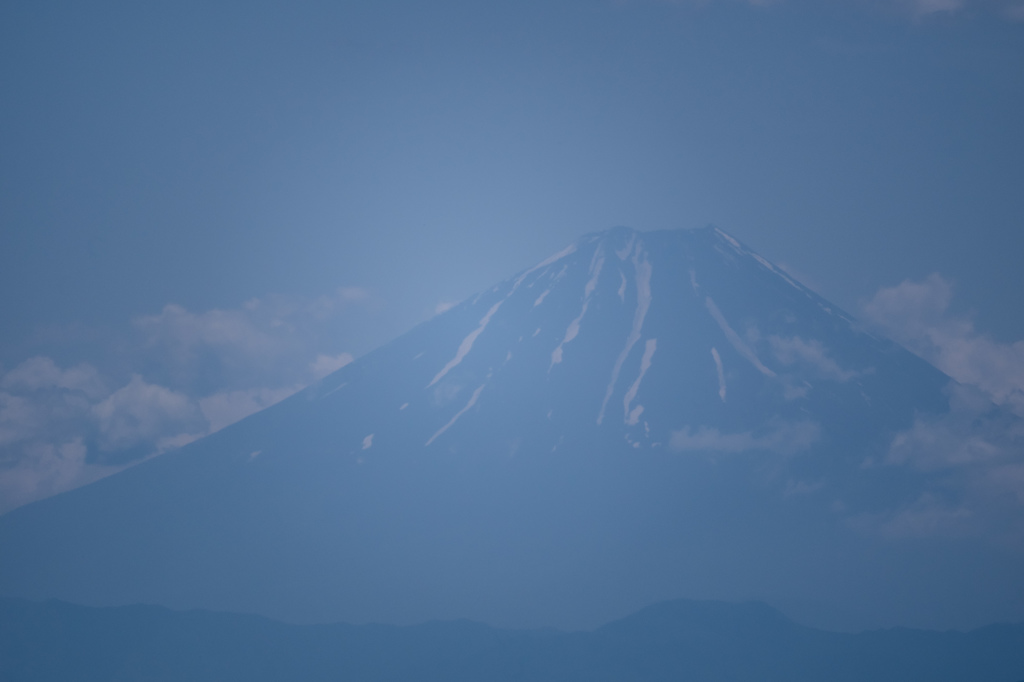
pixel 204 206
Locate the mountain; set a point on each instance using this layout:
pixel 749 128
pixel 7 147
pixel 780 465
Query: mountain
pixel 640 416
pixel 678 640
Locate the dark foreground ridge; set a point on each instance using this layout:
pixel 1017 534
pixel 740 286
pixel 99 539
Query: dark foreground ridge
pixel 676 640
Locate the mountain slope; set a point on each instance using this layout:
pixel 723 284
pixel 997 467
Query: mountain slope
pixel 640 416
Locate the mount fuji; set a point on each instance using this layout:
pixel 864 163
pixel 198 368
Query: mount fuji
pixel 641 416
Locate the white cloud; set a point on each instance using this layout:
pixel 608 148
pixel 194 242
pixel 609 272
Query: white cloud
pixel 794 487
pixel 325 364
pixel 931 444
pixel 1004 480
pixel 34 403
pixel 915 314
pixel 784 439
pixel 18 418
pixel 140 412
pixel 444 306
pixel 353 294
pixel 271 342
pixel 974 456
pixel 321 308
pixel 810 354
pixel 46 469
pixel 708 439
pixel 42 372
pixel 971 433
pixel 46 430
pixel 180 440
pixel 927 516
pixel 226 408
pixel 193 373
pixel 184 334
pixel 975 451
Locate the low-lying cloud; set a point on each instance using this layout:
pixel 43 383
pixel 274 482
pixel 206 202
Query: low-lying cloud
pixel 191 374
pixel 782 438
pixel 972 433
pixel 975 452
pixel 916 315
pixel 43 373
pixel 810 355
pixel 140 412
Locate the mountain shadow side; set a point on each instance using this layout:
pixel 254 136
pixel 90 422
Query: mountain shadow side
pixel 640 416
pixel 707 641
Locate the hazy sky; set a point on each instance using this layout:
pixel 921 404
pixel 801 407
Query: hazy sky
pixel 303 181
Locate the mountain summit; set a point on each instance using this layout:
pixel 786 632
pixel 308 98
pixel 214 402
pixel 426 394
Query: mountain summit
pixel 639 416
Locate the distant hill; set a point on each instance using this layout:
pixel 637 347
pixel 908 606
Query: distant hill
pixel 678 640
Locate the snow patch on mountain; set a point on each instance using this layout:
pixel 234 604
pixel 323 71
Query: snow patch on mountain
pixel 734 338
pixel 721 372
pixel 464 410
pixel 596 263
pixel 335 389
pixel 543 264
pixel 624 252
pixel 633 416
pixel 467 343
pixel 643 303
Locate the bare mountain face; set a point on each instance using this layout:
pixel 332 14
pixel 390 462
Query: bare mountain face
pixel 641 416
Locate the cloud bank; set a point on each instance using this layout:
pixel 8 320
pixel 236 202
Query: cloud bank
pixel 975 452
pixel 783 438
pixel 191 374
pixel 916 315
